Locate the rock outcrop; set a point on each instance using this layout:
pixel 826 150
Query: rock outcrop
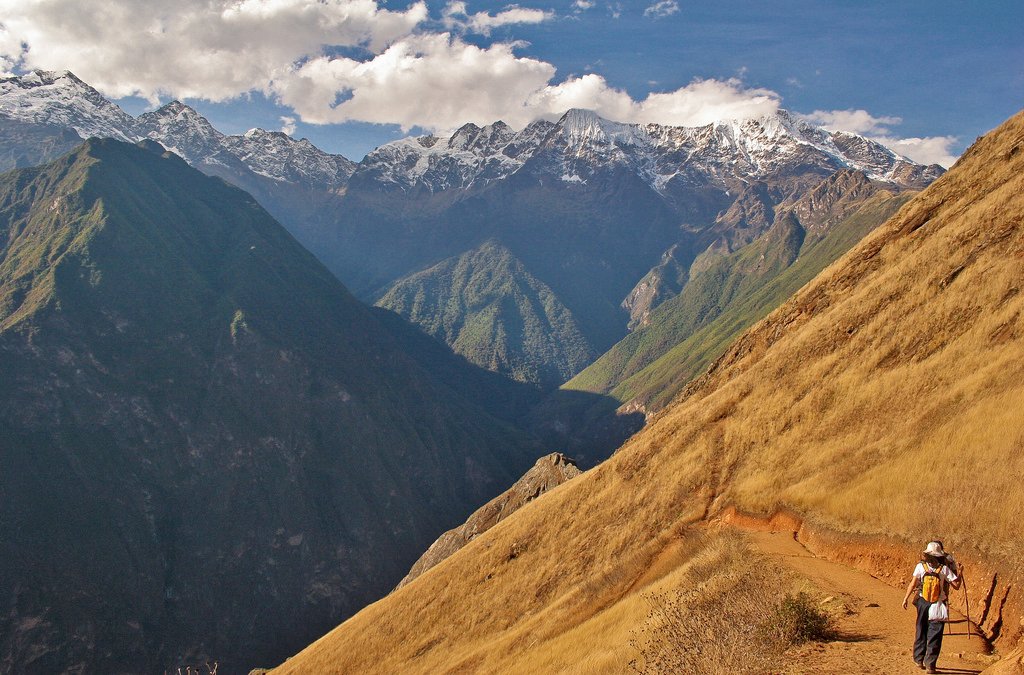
pixel 548 473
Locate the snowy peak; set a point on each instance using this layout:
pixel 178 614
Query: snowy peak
pixel 471 157
pixel 59 98
pixel 63 100
pixel 481 141
pixel 580 127
pixel 727 154
pixel 278 156
pixel 181 130
pixel 582 124
pixel 580 145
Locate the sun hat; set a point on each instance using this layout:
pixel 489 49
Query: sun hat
pixel 934 548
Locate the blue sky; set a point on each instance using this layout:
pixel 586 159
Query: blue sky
pixel 928 77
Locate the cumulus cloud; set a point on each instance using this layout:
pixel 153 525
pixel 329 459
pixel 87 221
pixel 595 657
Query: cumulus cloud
pixel 211 49
pixel 456 17
pixel 583 5
pixel 854 121
pixel 662 9
pixel 288 124
pixel 929 150
pixel 440 82
pixel 431 81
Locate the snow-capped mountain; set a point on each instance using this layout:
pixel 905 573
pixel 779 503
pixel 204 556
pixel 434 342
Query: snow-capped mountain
pixel 62 100
pixel 572 150
pixel 181 130
pixel 581 144
pixel 585 206
pixel 471 156
pixel 279 156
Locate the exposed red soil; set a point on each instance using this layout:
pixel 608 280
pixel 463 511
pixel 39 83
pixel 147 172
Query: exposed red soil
pixel 867 576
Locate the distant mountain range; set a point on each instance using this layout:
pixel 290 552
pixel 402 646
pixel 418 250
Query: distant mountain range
pixel 589 209
pixel 583 210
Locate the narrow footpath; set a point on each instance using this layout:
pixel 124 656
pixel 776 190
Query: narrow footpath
pixel 876 634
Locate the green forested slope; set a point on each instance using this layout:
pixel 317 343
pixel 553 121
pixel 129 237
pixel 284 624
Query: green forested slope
pixel 490 309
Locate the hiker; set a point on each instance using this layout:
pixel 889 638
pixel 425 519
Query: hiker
pixel 936 571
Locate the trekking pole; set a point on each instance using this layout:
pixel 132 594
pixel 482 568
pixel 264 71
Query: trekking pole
pixel 967 601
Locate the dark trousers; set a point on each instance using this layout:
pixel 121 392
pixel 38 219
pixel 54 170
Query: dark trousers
pixel 928 637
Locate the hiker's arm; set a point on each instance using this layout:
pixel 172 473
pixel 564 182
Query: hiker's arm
pixel 911 587
pixel 955 583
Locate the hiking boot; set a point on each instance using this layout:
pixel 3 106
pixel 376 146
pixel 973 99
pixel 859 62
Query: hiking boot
pixel 932 669
pixel 919 665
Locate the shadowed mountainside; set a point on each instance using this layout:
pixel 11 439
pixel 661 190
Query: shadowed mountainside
pixel 209 448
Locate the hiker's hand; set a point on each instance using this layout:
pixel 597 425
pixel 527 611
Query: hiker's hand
pixel 904 603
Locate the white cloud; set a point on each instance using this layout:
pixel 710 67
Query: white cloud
pixel 432 81
pixel 288 124
pixel 662 9
pixel 929 150
pixel 583 5
pixel 440 82
pixel 211 49
pixel 854 121
pixel 704 101
pixel 456 17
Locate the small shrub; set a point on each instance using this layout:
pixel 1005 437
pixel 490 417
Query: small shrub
pixel 734 617
pixel 799 620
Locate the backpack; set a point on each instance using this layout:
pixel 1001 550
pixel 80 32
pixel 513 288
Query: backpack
pixel 931 584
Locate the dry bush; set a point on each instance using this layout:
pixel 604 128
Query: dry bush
pixel 735 617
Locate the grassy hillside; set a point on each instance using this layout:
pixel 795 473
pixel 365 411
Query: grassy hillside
pixel 205 437
pixel 657 383
pixel 729 293
pixel 884 398
pixel 489 308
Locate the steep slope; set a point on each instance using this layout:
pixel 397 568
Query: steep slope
pixel 210 450
pixel 492 311
pixel 883 400
pixel 730 290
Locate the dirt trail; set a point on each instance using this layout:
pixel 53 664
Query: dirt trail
pixel 877 636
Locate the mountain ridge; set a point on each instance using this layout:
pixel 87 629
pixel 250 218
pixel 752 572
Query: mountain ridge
pixel 204 433
pixel 51 97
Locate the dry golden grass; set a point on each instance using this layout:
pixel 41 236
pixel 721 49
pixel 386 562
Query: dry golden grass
pixel 730 610
pixel 886 397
